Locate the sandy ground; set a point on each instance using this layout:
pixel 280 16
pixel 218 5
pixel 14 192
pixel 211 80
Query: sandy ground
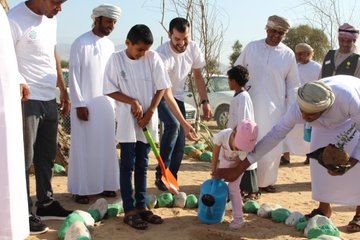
pixel 293 193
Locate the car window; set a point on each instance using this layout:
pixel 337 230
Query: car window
pixel 218 84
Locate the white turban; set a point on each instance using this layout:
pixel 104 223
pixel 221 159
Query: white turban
pixel 303 47
pixel 348 31
pixel 278 23
pixel 106 10
pixel 315 97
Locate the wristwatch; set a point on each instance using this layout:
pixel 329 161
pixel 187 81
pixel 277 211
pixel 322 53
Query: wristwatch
pixel 204 101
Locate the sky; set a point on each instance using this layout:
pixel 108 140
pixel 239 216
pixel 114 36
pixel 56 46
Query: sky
pixel 242 20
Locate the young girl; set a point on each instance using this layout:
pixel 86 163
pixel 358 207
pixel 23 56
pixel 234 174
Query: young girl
pixel 241 107
pixel 230 147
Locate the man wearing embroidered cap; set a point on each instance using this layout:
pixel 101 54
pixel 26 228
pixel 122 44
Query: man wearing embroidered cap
pixel 331 106
pixel 273 79
pixel 309 71
pixel 93 166
pixel 344 60
pixel 33 27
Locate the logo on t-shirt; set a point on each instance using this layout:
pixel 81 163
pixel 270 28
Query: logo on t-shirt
pixel 32 35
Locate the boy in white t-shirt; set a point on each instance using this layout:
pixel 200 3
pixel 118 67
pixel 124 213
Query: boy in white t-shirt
pixel 136 79
pixel 230 147
pixel 241 107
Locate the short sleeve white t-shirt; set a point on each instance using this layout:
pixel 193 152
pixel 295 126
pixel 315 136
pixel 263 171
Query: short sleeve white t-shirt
pixel 34 39
pixel 139 79
pixel 222 138
pixel 241 107
pixel 179 65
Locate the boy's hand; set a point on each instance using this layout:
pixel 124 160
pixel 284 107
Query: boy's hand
pixel 136 109
pixel 143 122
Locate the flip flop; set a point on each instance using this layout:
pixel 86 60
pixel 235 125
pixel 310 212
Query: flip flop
pixel 354 224
pixel 81 199
pixel 269 189
pixel 284 161
pixel 313 213
pixel 108 193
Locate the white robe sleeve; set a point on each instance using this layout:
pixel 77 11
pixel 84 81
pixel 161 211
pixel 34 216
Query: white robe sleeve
pixel 75 80
pixel 277 133
pixel 354 107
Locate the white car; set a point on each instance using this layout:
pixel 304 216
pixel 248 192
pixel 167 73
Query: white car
pixel 219 96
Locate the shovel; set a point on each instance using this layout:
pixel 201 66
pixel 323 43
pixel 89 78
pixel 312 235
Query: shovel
pixel 167 177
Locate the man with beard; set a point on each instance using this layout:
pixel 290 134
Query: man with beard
pixel 180 56
pixel 93 166
pixel 344 60
pixel 33 26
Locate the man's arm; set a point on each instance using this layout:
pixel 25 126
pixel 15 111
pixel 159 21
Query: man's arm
pixel 64 96
pixel 200 85
pixel 190 132
pixel 24 92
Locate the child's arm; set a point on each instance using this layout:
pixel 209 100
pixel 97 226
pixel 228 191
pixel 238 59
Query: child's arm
pixel 136 108
pixel 215 158
pixel 142 122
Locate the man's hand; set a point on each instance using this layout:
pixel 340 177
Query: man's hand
pixel 64 102
pixel 231 174
pixel 24 92
pixel 207 111
pixel 82 113
pixel 352 162
pixel 190 133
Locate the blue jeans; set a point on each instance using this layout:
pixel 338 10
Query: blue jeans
pixel 173 139
pixel 133 155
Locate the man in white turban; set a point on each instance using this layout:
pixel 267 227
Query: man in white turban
pixel 274 79
pixel 93 165
pixel 331 106
pixel 309 71
pixel 106 10
pixel 344 60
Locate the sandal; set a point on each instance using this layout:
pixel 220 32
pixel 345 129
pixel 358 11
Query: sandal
pixel 108 193
pixel 313 213
pixel 81 199
pixel 354 224
pixel 135 221
pixel 251 196
pixel 284 161
pixel 269 189
pixel 150 217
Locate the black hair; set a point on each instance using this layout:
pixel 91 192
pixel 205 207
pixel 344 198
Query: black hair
pixel 240 74
pixel 180 24
pixel 140 33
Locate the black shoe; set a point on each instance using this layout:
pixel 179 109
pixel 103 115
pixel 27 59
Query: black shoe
pixel 284 161
pixel 36 226
pixel 52 212
pixel 160 185
pixel 307 161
